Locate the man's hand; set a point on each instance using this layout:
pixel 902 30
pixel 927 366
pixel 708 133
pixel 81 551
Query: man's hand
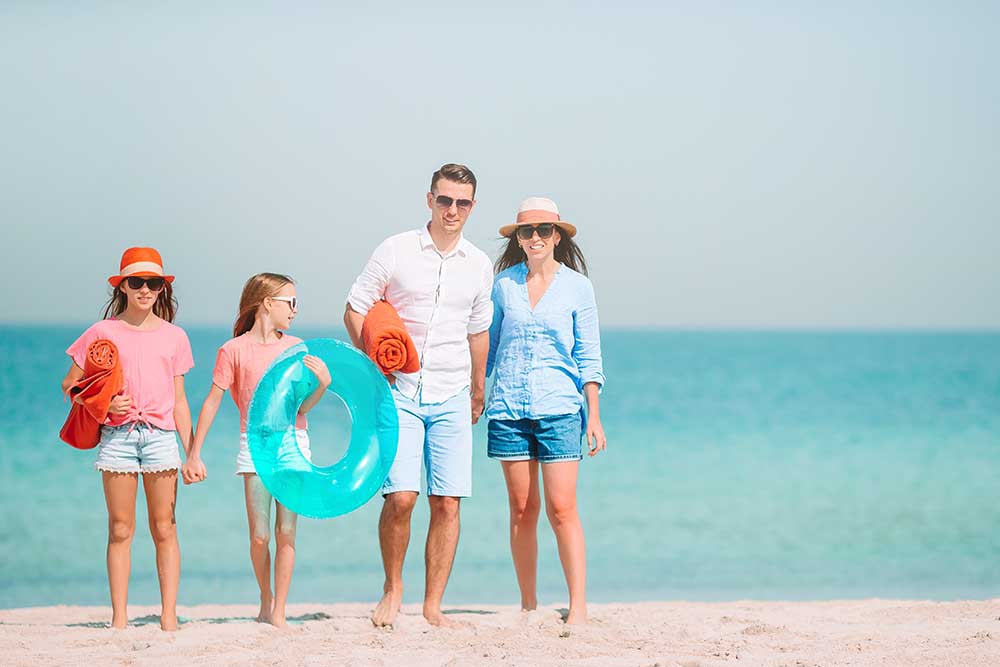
pixel 478 403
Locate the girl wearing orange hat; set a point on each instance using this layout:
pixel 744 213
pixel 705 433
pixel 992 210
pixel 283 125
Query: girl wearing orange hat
pixel 140 433
pixel 267 307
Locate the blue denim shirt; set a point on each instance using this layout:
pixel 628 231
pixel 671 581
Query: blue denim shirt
pixel 542 357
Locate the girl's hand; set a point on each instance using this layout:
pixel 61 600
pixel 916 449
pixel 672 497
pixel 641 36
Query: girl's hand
pixel 595 436
pixel 193 470
pixel 319 369
pixel 120 404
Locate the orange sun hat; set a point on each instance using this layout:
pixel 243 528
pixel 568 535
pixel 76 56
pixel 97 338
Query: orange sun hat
pixel 140 262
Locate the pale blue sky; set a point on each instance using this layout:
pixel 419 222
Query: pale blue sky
pixel 761 165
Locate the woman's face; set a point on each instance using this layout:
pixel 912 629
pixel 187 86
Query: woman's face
pixel 281 308
pixel 143 297
pixel 541 245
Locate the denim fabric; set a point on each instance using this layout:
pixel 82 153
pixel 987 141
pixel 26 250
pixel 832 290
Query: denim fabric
pixel 546 440
pixel 137 447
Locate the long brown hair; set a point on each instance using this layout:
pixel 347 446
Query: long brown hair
pixel 567 253
pixel 256 289
pixel 165 306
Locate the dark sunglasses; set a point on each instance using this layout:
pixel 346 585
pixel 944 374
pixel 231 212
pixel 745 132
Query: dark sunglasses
pixel 445 202
pixel 136 283
pixel 525 232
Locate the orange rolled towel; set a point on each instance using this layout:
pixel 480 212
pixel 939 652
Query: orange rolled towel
pixel 387 342
pixel 91 395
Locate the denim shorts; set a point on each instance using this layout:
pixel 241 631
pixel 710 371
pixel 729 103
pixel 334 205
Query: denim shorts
pixel 287 457
pixel 547 439
pixel 136 447
pixel 439 435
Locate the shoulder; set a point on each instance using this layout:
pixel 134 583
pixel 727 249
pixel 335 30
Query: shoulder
pixel 409 237
pixel 289 340
pixel 174 331
pixel 232 345
pixel 577 282
pixel 475 254
pixel 102 327
pixel 509 275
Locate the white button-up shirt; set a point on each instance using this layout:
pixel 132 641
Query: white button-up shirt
pixel 441 298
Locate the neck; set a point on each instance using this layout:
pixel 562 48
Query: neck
pixel 444 241
pixel 138 318
pixel 263 332
pixel 546 268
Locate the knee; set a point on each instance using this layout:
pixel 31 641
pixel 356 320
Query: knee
pixel 162 529
pixel 561 511
pixel 285 533
pixel 524 510
pixel 259 538
pixel 400 505
pixel 444 507
pixel 120 531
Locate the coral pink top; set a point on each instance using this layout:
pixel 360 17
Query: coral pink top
pixel 241 363
pixel 150 360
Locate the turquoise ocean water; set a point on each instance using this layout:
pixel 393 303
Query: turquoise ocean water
pixel 740 465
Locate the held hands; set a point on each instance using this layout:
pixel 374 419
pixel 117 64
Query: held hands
pixel 319 369
pixel 478 403
pixel 596 442
pixel 120 404
pixel 193 470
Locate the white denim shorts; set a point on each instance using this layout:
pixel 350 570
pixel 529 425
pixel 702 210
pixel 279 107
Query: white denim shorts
pixel 289 446
pixel 137 447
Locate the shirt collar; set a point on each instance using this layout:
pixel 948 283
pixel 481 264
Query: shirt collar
pixel 427 243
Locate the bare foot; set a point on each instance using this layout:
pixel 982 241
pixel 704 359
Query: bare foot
pixel 576 616
pixel 278 621
pixel 529 605
pixel 168 623
pixel 119 623
pixel 264 615
pixel 436 618
pixel 387 608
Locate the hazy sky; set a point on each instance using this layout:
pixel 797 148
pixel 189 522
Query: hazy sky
pixel 728 165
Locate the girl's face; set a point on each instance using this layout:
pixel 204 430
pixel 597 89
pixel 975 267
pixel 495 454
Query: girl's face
pixel 281 308
pixel 142 298
pixel 541 246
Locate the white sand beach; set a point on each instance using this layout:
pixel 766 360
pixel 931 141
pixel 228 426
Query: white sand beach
pixel 684 634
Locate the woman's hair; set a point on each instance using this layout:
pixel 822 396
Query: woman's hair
pixel 567 253
pixel 165 306
pixel 256 289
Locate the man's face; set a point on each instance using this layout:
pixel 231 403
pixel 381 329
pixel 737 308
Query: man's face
pixel 450 204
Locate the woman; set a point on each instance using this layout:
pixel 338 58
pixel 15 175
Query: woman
pixel 546 349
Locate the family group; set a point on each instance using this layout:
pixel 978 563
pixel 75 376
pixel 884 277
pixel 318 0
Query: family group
pixel 529 320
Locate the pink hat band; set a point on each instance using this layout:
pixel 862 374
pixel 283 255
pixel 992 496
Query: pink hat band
pixel 533 216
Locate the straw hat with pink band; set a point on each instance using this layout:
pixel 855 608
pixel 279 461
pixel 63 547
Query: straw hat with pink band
pixel 537 211
pixel 140 262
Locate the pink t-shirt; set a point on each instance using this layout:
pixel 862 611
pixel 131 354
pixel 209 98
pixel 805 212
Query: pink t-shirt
pixel 240 365
pixel 150 360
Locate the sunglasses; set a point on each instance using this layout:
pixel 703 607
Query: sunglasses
pixel 292 301
pixel 525 232
pixel 444 201
pixel 136 283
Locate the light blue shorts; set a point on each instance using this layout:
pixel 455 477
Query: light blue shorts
pixel 137 447
pixel 439 435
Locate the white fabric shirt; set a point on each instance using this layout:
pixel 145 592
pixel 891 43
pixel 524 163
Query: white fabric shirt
pixel 441 298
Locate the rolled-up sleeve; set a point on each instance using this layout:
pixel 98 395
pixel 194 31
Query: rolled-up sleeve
pixel 587 335
pixel 370 285
pixel 482 305
pixel 495 327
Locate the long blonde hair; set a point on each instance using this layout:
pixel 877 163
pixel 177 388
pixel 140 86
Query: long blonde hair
pixel 256 289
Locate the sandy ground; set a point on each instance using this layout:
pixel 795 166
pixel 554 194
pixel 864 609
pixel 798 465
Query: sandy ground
pixel 685 634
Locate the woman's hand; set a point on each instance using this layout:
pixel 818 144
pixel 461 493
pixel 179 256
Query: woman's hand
pixel 319 369
pixel 596 441
pixel 193 470
pixel 120 404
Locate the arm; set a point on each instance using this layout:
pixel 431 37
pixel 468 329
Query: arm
pixel 353 320
pixel 73 376
pixel 316 365
pixel 596 442
pixel 479 348
pixel 182 414
pixel 194 469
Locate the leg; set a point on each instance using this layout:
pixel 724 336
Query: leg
pixel 393 539
pixel 259 517
pixel 284 560
pixel 439 555
pixel 525 506
pixel 119 494
pixel 559 479
pixel 161 501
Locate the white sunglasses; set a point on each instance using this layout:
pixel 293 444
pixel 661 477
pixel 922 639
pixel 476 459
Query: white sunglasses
pixel 290 300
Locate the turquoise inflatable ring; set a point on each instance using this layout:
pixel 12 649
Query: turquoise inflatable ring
pixel 309 490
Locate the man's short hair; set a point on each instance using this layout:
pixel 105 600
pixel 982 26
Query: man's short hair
pixel 457 173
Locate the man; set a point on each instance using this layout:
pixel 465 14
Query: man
pixel 440 284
